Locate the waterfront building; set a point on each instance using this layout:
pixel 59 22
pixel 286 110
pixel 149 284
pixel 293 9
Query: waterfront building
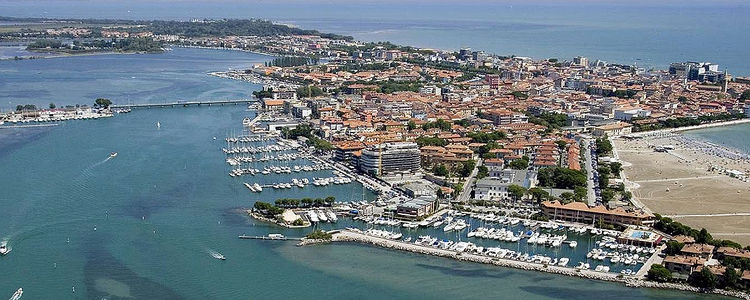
pixel 497 188
pixel 582 213
pixel 391 159
pixel 581 61
pixel 417 208
pixel 634 236
pixel 613 129
pixel 682 266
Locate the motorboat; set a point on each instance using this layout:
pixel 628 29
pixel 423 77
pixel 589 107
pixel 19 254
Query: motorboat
pixel 4 250
pixel 17 295
pixel 113 155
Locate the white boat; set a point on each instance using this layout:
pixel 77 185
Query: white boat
pixel 17 295
pixel 158 125
pixel 4 250
pixel 216 255
pixel 257 187
pixel 573 244
pixel 332 216
pixel 563 262
pixel 322 216
pixel 313 216
pixel 113 155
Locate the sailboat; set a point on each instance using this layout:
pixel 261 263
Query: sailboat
pixel 17 295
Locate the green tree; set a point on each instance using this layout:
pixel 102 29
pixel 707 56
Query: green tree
pixel 309 91
pixel 482 172
pixel 440 170
pixel 603 146
pixel 615 167
pixel 745 95
pixel 538 194
pixel 52 105
pixel 102 102
pixel 580 193
pixel 516 192
pixel 659 273
pixel 731 278
pixel 567 197
pixel 561 144
pixel 519 164
pixel 411 125
pixel 673 247
pixel 703 236
pixel 607 195
pixel 704 279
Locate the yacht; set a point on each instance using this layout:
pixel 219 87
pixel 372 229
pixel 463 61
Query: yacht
pixel 573 244
pixel 332 216
pixel 17 295
pixel 4 250
pixel 113 155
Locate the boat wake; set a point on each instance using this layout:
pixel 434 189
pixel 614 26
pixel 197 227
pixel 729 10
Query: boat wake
pixel 215 254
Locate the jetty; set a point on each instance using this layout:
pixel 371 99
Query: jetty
pixel 185 103
pixel 271 238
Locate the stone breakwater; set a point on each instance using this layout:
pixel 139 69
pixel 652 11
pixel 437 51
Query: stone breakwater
pixel 350 236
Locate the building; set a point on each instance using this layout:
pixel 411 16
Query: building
pixel 637 237
pixel 704 251
pixel 582 213
pixel 497 188
pixel 390 159
pixel 723 252
pixel 682 265
pixel 613 129
pixel 630 113
pixel 581 61
pixel 417 208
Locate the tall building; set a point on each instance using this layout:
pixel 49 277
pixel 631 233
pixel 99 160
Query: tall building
pixel 581 61
pixel 390 158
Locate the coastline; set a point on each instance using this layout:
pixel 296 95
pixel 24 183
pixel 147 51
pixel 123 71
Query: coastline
pixel 347 236
pixel 687 128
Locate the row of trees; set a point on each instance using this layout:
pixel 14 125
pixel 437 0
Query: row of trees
pixel 561 178
pixel 687 121
pixel 672 227
pixel 305 202
pixel 550 120
pixel 291 61
pixel 462 169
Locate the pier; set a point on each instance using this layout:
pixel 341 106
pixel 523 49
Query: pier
pixel 185 103
pixel 257 237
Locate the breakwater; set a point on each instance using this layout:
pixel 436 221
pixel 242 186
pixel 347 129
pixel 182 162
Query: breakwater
pixel 629 281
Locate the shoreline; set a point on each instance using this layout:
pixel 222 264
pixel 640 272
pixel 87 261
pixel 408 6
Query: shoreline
pixel 686 128
pixel 629 281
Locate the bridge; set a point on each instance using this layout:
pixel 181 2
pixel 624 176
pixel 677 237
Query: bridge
pixel 184 103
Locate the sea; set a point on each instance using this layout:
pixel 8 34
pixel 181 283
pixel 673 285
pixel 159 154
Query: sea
pixel 650 34
pixel 83 225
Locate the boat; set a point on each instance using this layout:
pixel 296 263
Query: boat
pixel 217 255
pixel 563 262
pixel 4 250
pixel 113 155
pixel 158 125
pixel 332 216
pixel 573 244
pixel 17 295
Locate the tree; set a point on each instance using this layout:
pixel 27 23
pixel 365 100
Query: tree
pixel 411 125
pixel 682 99
pixel 561 144
pixel 102 102
pixel 538 194
pixel 516 192
pixel 52 105
pixel 329 200
pixel 607 195
pixel 745 95
pixel 731 278
pixel 309 91
pixel 703 236
pixel 580 193
pixel 482 172
pixel 704 279
pixel 561 178
pixel 615 167
pixel 567 197
pixel 519 164
pixel 603 146
pixel 659 273
pixel 440 170
pixel 467 167
pixel 673 247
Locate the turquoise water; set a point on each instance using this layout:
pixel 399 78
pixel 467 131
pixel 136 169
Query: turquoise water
pixel 648 33
pixel 166 200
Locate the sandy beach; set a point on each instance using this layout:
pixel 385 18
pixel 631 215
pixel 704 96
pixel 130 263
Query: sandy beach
pixel 689 183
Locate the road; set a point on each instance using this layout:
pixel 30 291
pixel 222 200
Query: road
pixel 466 192
pixel 590 194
